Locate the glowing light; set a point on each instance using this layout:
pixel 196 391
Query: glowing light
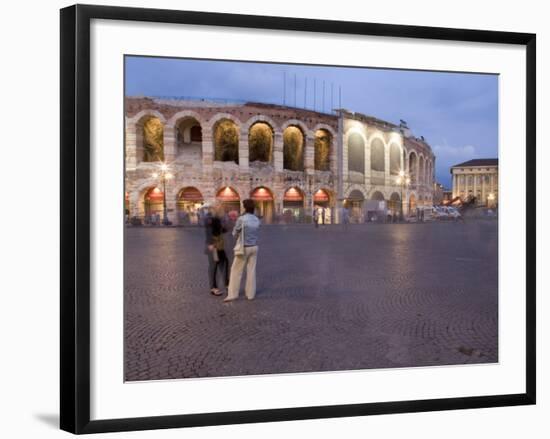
pixel 320 196
pixel 293 194
pixel 154 175
pixel 401 173
pixel 169 176
pixel 227 194
pixel 164 167
pixel 156 190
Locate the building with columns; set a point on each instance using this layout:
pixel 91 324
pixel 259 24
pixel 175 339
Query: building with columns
pixel 476 178
pixel 289 160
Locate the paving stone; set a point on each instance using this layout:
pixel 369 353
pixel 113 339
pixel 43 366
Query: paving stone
pixel 372 296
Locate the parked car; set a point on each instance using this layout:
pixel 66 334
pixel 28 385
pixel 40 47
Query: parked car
pixel 440 213
pixel 453 213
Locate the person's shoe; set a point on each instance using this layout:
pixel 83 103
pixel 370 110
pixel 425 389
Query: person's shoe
pixel 229 299
pixel 215 292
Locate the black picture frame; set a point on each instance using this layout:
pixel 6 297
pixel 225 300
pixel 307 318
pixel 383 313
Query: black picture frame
pixel 75 217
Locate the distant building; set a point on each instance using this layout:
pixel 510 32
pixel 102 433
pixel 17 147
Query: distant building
pixel 477 178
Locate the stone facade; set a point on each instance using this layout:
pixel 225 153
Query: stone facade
pixel 207 148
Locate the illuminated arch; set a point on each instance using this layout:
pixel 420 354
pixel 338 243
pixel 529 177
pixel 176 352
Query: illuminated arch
pixel 294 143
pixel 413 164
pixel 322 149
pixel 377 154
pixel 260 142
pixel 226 140
pixel 149 127
pixel 395 158
pixel 356 152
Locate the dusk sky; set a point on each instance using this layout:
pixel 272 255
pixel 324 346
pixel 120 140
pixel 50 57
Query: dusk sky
pixel 457 113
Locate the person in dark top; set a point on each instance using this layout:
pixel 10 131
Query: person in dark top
pixel 215 250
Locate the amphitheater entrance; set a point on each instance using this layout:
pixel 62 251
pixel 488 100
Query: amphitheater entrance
pixel 263 199
pixel 354 203
pixel 189 202
pixel 321 204
pixel 153 203
pixel 293 206
pixel 230 200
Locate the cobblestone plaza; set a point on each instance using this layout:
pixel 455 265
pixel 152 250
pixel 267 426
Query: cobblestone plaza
pixel 371 296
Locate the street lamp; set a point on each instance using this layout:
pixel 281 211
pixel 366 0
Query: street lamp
pixel 164 175
pixel 402 180
pixel 490 199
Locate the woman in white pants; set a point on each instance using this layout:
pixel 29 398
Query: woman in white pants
pixel 247 225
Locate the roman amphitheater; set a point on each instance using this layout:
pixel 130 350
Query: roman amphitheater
pixel 291 161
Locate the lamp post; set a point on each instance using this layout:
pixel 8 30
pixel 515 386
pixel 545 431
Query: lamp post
pixel 490 200
pixel 163 175
pixel 402 180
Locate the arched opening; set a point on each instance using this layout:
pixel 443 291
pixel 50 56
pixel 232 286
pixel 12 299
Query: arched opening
pixel 263 198
pixel 394 204
pixel 377 159
pixel 376 207
pixel 188 205
pixel 412 204
pixel 189 140
pixel 230 200
pixel 153 206
pixel 293 148
pixel 151 139
pixel 126 206
pixel 260 142
pixel 412 167
pixel 354 203
pixel 323 142
pixel 395 159
pixel 421 170
pixel 356 153
pixel 226 141
pixel 293 205
pixel 322 207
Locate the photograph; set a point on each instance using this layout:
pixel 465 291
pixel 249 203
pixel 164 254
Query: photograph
pixel 296 218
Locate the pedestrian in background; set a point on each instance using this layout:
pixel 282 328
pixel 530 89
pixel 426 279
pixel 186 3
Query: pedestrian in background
pixel 316 216
pixel 345 217
pixel 246 232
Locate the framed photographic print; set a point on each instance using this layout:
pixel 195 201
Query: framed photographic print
pixel 273 218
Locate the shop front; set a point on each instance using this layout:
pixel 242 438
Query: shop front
pixel 188 205
pixel 263 199
pixel 293 206
pixel 321 205
pixel 126 207
pixel 354 202
pixel 230 200
pixel 153 206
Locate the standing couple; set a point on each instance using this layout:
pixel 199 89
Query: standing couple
pixel 245 252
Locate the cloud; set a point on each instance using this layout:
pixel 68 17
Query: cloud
pixel 447 152
pixel 447 156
